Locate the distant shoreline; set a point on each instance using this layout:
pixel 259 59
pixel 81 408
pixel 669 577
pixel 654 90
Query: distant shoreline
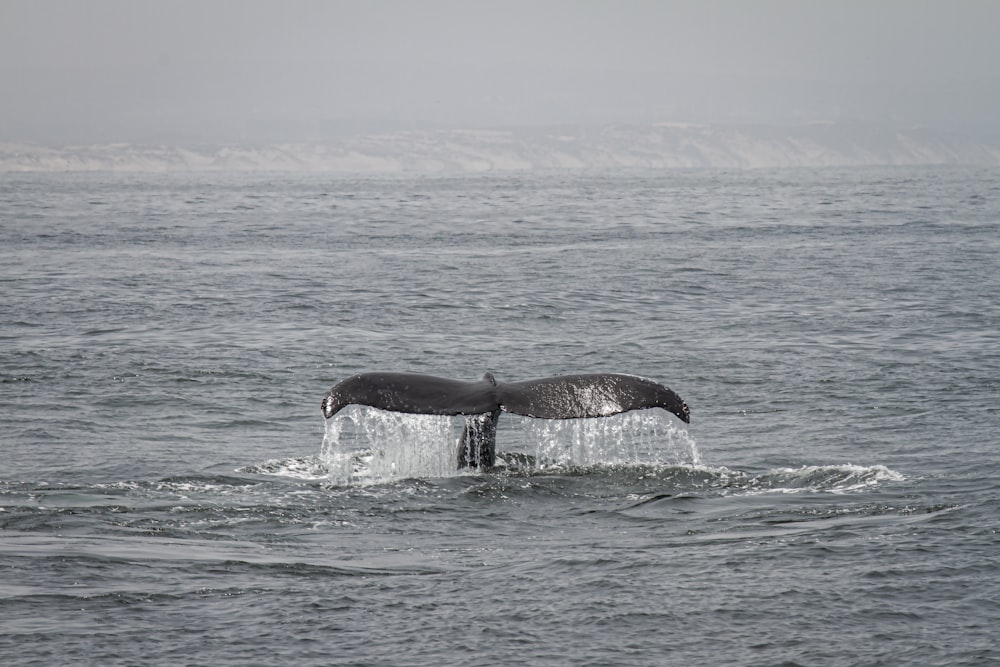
pixel 651 145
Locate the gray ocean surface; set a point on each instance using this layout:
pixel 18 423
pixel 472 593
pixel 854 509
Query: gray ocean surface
pixel 171 495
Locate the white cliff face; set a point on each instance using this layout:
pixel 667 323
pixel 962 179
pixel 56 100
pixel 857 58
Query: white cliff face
pixel 665 145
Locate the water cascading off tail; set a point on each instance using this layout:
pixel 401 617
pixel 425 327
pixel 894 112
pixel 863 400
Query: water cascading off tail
pixel 364 445
pixel 643 437
pixel 369 446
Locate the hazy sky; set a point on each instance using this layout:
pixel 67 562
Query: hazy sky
pixel 105 70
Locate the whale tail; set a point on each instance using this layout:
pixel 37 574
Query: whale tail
pixel 481 401
pixel 588 395
pixel 478 446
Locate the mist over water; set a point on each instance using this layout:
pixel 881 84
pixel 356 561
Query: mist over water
pixel 170 492
pixel 254 73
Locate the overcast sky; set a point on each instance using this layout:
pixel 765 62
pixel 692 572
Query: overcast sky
pixel 109 70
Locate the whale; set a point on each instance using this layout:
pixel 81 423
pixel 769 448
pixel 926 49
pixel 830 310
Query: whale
pixel 481 401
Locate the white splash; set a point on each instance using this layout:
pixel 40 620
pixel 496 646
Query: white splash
pixel 363 445
pixel 642 437
pixel 369 446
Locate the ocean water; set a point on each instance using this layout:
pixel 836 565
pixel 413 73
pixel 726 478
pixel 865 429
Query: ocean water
pixel 170 493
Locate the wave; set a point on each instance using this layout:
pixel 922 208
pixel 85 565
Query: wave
pixel 367 447
pixel 307 468
pixel 840 478
pixel 676 478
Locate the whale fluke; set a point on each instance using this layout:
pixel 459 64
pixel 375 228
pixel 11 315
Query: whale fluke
pixel 413 393
pixel 558 397
pixel 589 395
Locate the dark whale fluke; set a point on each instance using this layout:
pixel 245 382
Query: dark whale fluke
pixel 559 397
